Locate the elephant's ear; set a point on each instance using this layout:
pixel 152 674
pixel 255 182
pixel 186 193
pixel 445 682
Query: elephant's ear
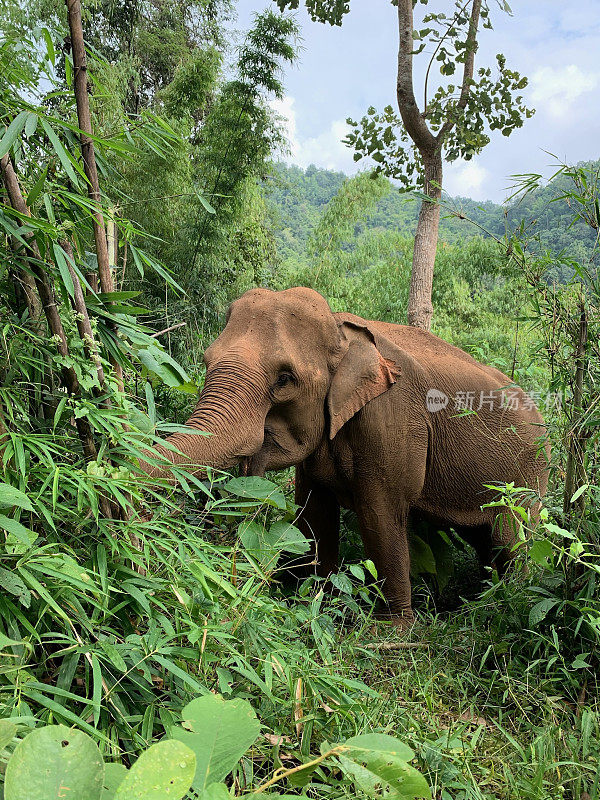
pixel 362 374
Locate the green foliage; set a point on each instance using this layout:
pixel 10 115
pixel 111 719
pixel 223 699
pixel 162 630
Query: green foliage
pixel 131 638
pixel 331 11
pixel 217 732
pixel 459 115
pixel 543 217
pixel 50 759
pixel 165 770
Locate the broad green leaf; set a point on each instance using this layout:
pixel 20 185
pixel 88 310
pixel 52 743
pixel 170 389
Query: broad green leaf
pixel 51 760
pixel 219 732
pixel 8 731
pixel 265 545
pixel 161 364
pixel 380 742
pixel 114 775
pixel 580 663
pixel 10 496
pixel 288 538
pixel 443 554
pixel 257 489
pixel 163 772
pixel 341 582
pixel 421 556
pixel 377 762
pixel 540 610
pixel 357 571
pixel 540 552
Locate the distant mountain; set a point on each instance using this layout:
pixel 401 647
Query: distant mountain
pixel 296 198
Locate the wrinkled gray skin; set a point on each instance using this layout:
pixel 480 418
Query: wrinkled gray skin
pixel 344 399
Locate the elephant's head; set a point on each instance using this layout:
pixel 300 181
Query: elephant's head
pixel 283 374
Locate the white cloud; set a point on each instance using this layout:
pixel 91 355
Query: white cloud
pixel 324 150
pixel 579 18
pixel 466 179
pixel 554 89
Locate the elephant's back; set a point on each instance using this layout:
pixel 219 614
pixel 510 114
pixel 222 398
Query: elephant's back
pixel 445 366
pixel 499 441
pixel 428 350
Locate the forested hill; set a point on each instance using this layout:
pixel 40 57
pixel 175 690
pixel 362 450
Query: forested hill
pixel 296 198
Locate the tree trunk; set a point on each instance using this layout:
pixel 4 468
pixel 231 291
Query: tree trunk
pixel 420 308
pixel 82 318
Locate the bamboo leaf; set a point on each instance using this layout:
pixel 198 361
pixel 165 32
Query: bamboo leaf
pixel 11 496
pixel 37 188
pixel 60 152
pixel 12 132
pixel 61 263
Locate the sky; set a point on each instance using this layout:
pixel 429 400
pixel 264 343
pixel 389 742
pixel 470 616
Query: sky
pixel 343 71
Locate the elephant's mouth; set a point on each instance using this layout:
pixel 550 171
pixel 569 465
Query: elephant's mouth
pixel 257 464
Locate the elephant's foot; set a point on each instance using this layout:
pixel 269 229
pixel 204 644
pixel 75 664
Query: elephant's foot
pixel 403 621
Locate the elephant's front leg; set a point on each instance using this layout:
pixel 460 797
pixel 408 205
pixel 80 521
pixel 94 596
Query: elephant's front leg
pixel 319 521
pixel 383 530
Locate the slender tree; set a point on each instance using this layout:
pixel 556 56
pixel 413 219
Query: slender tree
pixel 453 123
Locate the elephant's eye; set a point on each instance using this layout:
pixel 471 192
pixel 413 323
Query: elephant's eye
pixel 283 379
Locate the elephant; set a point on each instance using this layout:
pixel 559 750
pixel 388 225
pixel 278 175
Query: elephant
pixel 375 418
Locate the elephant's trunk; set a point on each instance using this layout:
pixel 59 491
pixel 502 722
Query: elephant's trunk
pixel 231 408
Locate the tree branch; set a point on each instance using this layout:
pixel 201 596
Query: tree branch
pixel 25 279
pixel 412 118
pixel 435 52
pixel 470 50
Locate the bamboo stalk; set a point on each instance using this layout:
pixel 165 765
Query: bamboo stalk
pixel 576 444
pixel 48 303
pixel 26 280
pixel 84 325
pixel 394 645
pixel 89 157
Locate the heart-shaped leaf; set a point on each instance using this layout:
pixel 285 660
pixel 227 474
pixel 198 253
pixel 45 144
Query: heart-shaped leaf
pixel 54 760
pixel 219 732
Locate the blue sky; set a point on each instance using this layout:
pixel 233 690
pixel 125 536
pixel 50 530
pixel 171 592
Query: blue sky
pixel 342 71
